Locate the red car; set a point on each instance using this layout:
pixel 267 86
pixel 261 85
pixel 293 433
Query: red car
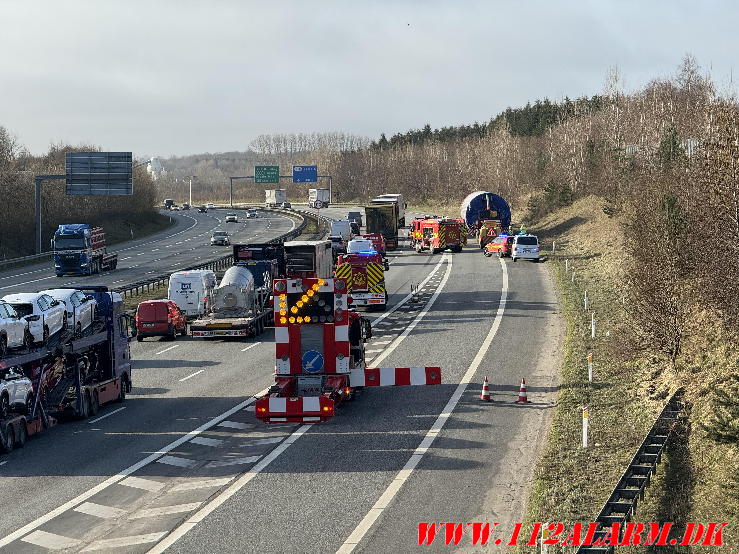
pixel 500 245
pixel 159 318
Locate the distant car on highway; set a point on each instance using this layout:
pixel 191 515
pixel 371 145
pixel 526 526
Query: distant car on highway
pixel 79 309
pixel 175 208
pixel 185 206
pixel 220 238
pixel 202 209
pixel 210 206
pixel 16 392
pixel 251 214
pixel 13 330
pixel 286 205
pixel 45 316
pixel 525 247
pixel 232 218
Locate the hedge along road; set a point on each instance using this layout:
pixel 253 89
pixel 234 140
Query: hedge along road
pixel 188 245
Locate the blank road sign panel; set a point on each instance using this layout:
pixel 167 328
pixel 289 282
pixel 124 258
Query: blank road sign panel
pixel 99 173
pixel 305 173
pixel 266 173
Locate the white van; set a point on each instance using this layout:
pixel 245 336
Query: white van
pixel 190 290
pixel 341 229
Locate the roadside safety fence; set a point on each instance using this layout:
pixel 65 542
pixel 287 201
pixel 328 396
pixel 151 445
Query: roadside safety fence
pixel 218 264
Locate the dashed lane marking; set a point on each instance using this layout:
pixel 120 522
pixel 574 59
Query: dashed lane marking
pixel 166 350
pixel 250 346
pixel 202 484
pixel 235 425
pixel 107 415
pixel 192 375
pixel 205 441
pixel 233 462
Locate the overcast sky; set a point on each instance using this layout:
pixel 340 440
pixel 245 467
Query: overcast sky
pixel 180 77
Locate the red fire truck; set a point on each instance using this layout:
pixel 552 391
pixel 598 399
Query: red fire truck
pixel 319 351
pixel 364 273
pixel 436 234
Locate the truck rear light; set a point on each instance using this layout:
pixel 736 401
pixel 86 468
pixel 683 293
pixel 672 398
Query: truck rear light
pixel 328 408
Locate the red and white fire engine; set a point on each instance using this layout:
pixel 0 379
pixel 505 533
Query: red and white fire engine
pixel 319 351
pixel 436 234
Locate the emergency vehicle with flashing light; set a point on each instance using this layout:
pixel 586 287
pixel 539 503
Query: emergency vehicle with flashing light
pixel 363 269
pixel 500 245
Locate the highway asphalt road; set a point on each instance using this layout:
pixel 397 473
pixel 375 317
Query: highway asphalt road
pixel 187 243
pixel 185 467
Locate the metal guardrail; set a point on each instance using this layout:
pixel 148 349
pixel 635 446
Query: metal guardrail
pixel 12 261
pixel 153 283
pixel 621 504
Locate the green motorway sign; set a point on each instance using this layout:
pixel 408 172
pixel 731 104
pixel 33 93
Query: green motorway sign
pixel 266 173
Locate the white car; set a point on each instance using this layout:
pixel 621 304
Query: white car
pixel 79 309
pixel 525 247
pixel 16 393
pixel 13 329
pixel 45 316
pixel 251 214
pixel 210 206
pixel 232 218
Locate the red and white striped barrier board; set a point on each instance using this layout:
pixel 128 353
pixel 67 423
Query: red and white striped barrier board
pixel 395 376
pixel 294 409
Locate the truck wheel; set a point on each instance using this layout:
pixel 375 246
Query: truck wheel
pixel 139 338
pixel 94 403
pixel 22 437
pixel 4 406
pixel 124 389
pixel 183 333
pixel 8 439
pixel 515 259
pixel 84 412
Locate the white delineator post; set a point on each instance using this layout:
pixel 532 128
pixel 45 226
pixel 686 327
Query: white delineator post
pixel 590 367
pixel 567 265
pixel 585 427
pixel 592 325
pixel 586 300
pixel 544 537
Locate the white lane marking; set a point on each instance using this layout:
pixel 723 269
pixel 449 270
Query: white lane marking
pixel 98 510
pixel 203 484
pixel 379 342
pixel 392 490
pixel 233 461
pixel 126 472
pixel 176 461
pixel 373 351
pixel 126 258
pixel 143 484
pixel 107 415
pixel 124 541
pixel 165 510
pixel 166 350
pixel 203 512
pixel 205 441
pixel 192 375
pixel 258 442
pixel 407 331
pixel 251 346
pixel 51 541
pixel 235 425
pixel 3 462
pixel 26 282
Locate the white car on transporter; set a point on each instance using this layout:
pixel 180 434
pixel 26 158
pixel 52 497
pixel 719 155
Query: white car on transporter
pixel 16 392
pixel 79 309
pixel 45 316
pixel 13 330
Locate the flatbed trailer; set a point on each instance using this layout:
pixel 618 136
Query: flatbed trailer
pixel 73 376
pixel 252 326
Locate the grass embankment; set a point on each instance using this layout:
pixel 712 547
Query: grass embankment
pixel 629 388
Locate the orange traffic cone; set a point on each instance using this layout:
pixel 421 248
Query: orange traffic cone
pixel 522 392
pixel 485 395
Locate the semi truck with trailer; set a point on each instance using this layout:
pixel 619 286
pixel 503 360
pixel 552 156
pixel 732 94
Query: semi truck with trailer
pixel 239 305
pixel 71 375
pixel 319 195
pixel 274 198
pixel 383 218
pixel 396 199
pixel 79 249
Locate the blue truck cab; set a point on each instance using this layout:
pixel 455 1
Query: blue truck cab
pixel 79 249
